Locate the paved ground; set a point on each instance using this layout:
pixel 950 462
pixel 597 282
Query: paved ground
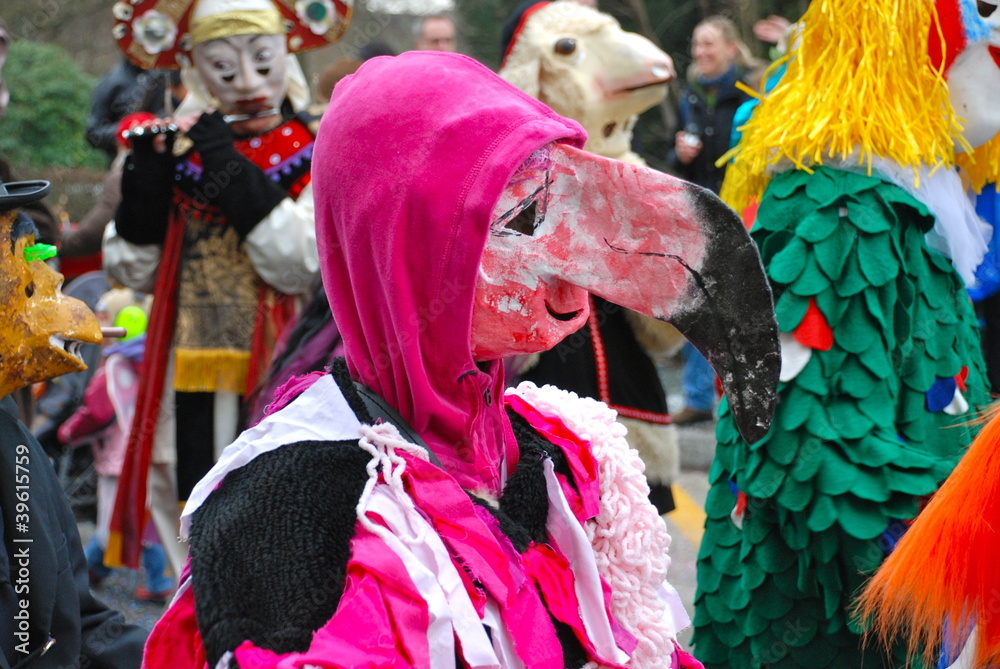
pixel 685 523
pixel 117 591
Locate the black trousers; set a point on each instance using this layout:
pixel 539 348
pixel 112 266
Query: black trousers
pixel 195 439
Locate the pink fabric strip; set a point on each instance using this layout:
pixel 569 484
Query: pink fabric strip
pixel 577 451
pixel 475 538
pixel 525 619
pixel 625 639
pixel 572 498
pixel 531 629
pixel 566 534
pixel 453 515
pixel 555 579
pixel 454 622
pixel 381 621
pixel 684 660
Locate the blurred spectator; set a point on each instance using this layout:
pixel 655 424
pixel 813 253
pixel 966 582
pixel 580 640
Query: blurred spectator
pixel 85 240
pixel 103 422
pixel 373 49
pixel 120 92
pixel 709 101
pixel 708 104
pixel 434 33
pixel 166 95
pixel 333 73
pixel 771 30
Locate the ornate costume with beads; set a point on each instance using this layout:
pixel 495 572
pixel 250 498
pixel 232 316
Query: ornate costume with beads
pixel 217 220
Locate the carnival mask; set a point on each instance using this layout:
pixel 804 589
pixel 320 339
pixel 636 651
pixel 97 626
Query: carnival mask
pixel 571 222
pixel 43 329
pixel 245 73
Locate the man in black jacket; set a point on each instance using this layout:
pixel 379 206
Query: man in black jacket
pixel 48 616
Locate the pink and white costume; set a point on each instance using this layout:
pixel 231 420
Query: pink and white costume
pixel 501 530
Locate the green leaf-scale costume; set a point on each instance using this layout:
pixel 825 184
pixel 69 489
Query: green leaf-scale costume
pixel 853 446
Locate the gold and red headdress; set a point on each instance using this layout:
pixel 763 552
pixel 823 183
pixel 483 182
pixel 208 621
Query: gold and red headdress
pixel 160 33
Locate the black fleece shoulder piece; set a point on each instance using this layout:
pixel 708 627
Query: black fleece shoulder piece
pixel 346 384
pixel 269 548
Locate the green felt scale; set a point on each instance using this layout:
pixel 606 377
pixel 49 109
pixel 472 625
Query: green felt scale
pixel 853 447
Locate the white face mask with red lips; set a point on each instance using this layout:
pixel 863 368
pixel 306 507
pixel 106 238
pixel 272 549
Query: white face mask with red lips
pixel 247 74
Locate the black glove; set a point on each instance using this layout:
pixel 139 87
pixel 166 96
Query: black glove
pixel 147 191
pixel 229 180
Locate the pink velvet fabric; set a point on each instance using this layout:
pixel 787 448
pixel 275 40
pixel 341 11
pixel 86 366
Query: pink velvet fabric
pixel 400 246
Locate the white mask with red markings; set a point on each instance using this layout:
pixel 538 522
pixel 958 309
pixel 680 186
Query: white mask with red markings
pixel 571 223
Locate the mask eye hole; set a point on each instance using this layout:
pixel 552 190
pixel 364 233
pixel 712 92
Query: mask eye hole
pixel 986 9
pixel 263 71
pixel 29 290
pixel 524 221
pixel 228 78
pixel 565 46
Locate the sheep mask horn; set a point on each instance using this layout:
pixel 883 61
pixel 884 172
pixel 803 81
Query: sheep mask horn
pixel 571 222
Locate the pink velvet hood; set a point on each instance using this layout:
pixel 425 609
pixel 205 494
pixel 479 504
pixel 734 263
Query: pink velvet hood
pixel 411 158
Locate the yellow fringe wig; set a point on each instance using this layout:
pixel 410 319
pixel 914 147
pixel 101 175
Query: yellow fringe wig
pixel 859 84
pixel 945 566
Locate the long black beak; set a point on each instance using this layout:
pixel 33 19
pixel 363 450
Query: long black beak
pixel 728 315
pixel 671 250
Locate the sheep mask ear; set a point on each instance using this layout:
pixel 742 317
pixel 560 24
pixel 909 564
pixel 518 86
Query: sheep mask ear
pixel 521 65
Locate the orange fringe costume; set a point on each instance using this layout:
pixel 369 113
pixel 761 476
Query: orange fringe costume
pixel 942 581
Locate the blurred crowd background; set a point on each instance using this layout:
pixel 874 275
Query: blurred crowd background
pixel 60 49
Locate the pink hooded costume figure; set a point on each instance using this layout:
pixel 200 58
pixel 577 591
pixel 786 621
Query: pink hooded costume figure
pixel 403 511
